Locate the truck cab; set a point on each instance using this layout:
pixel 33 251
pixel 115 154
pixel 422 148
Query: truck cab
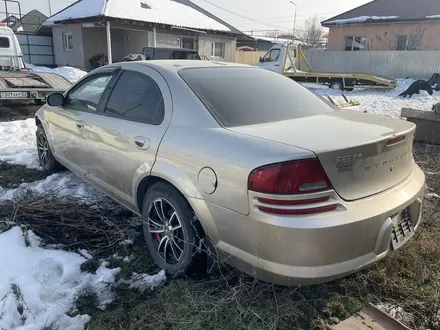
pixel 11 57
pixel 274 58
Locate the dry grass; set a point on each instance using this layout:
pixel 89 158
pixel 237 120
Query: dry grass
pixel 409 278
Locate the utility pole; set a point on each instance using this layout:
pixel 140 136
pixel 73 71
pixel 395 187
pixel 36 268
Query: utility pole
pixel 50 8
pixel 294 20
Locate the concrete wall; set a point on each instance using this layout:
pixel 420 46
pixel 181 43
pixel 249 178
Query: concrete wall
pixel 73 57
pixel 384 36
pixel 205 47
pixel 134 41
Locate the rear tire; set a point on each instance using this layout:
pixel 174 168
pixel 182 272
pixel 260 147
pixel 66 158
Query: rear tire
pixel 45 156
pixel 172 234
pixel 336 84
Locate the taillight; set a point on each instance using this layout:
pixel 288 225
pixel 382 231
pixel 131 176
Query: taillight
pixel 290 178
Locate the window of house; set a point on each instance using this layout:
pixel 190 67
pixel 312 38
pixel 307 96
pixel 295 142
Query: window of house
pixel 218 49
pixel 353 44
pixel 87 95
pixel 179 42
pixel 136 97
pixel 4 42
pixel 67 41
pixel 411 42
pixel 272 56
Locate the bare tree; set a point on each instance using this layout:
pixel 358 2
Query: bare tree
pixel 402 39
pixel 311 32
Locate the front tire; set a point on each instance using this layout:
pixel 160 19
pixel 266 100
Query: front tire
pixel 45 156
pixel 172 235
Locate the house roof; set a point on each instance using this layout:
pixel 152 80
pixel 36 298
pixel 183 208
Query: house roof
pixel 181 13
pixel 29 23
pixel 388 11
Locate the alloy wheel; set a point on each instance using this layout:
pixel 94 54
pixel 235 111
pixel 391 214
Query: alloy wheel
pixel 165 226
pixel 43 149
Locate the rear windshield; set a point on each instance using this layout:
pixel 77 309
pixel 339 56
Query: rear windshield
pixel 181 55
pixel 250 96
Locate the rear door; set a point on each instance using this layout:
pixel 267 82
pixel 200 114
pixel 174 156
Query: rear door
pixel 124 140
pixel 68 124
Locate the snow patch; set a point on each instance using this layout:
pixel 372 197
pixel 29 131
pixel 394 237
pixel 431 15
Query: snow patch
pixel 144 282
pixel 71 74
pixel 64 184
pixel 18 144
pixel 38 286
pixel 383 102
pixel 361 19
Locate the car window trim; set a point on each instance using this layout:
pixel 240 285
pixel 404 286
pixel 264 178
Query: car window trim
pixel 110 91
pixel 85 81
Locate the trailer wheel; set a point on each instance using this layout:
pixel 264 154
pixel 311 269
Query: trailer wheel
pixel 336 84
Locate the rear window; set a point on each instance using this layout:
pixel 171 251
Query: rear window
pixel 162 55
pixel 4 42
pixel 250 96
pixel 182 55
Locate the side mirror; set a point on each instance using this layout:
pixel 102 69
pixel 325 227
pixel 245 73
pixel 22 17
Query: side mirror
pixel 55 100
pixel 261 60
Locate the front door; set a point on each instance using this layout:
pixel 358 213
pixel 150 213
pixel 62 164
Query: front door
pixel 271 61
pixel 128 132
pixel 67 125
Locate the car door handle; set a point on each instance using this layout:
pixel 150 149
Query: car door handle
pixel 80 125
pixel 141 142
pixel 276 65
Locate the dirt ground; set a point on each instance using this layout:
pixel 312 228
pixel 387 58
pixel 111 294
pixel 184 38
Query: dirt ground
pixel 17 111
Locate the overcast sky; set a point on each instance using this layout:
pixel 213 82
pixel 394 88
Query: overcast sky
pixel 256 14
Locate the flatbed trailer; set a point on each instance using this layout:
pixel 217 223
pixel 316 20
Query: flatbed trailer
pixel 18 83
pixel 283 60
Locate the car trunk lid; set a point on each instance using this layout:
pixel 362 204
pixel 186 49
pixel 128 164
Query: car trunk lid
pixel 362 154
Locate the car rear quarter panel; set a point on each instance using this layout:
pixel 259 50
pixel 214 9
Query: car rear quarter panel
pixel 195 140
pixel 185 151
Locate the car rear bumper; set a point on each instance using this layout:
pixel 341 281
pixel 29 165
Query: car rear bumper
pixel 308 250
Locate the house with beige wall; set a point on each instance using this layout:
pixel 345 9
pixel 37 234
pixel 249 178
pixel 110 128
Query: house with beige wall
pixel 120 27
pixel 385 25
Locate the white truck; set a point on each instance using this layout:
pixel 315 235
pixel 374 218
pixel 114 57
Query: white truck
pixel 286 59
pixel 17 83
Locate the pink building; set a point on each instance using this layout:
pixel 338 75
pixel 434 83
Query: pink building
pixel 387 25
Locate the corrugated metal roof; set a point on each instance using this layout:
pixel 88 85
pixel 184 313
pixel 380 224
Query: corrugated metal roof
pixel 402 10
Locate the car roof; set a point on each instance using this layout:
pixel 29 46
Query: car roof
pixel 173 66
pixel 172 49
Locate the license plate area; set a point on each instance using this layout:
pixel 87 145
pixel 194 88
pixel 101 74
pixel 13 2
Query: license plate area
pixel 402 229
pixel 14 95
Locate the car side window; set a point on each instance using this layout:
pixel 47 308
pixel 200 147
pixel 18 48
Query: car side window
pixel 86 95
pixel 136 97
pixel 163 55
pixel 272 56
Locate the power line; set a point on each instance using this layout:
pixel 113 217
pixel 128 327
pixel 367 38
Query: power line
pixel 242 16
